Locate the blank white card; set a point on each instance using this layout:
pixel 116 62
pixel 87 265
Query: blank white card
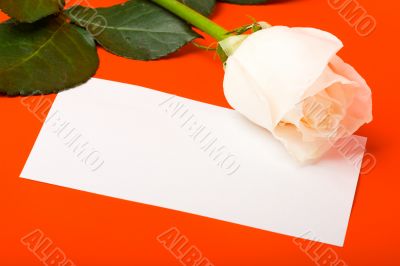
pixel 146 146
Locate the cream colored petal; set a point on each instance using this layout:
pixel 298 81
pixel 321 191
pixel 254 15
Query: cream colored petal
pixel 361 107
pixel 245 95
pixel 303 151
pixel 283 62
pixel 327 79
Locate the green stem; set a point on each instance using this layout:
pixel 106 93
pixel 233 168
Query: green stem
pixel 193 17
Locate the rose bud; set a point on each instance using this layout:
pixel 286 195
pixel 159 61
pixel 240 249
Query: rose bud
pixel 291 82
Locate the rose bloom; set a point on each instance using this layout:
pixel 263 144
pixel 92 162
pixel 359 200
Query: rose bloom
pixel 291 82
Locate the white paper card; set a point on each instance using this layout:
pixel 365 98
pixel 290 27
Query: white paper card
pixel 146 146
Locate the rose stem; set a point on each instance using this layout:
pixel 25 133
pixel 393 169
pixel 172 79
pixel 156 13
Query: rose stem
pixel 194 18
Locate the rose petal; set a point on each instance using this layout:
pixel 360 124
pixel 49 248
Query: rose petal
pixel 303 151
pixel 246 94
pixel 361 107
pixel 281 63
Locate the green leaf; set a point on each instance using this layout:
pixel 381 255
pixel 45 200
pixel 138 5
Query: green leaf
pixel 205 7
pixel 44 57
pixel 245 2
pixel 31 10
pixel 137 29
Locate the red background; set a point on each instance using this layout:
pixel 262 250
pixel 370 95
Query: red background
pixel 97 230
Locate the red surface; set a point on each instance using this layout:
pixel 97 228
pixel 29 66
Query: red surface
pixel 97 230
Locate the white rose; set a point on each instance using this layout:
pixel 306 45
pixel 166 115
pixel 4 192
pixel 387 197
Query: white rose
pixel 291 82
